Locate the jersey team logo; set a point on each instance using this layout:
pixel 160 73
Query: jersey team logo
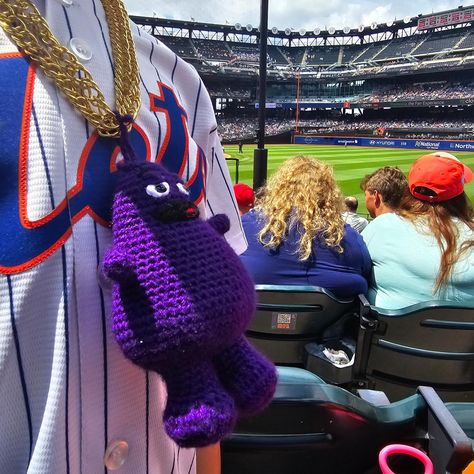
pixel 24 242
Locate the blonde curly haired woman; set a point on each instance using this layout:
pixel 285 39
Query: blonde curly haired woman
pixel 297 236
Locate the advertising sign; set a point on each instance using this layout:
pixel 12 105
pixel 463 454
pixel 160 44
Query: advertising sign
pixel 387 143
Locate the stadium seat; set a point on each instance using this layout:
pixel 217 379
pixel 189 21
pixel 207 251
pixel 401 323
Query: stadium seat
pixel 425 344
pixel 450 431
pixel 288 317
pixel 313 427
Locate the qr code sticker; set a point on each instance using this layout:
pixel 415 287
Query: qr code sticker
pixel 284 318
pixel 284 321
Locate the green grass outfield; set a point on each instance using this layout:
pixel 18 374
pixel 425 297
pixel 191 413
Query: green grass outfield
pixel 351 164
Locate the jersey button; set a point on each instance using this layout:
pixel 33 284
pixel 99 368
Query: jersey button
pixel 81 49
pixel 116 454
pixel 66 3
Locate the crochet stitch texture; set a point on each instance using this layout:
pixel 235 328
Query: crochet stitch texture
pixel 181 303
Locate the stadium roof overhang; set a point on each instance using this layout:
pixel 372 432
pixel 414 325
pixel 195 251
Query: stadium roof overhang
pixel 288 33
pixel 283 34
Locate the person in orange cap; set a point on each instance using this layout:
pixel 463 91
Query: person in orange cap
pixel 425 251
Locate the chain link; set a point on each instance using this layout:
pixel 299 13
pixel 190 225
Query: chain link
pixel 22 21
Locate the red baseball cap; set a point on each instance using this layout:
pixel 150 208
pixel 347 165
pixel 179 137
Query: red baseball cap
pixel 441 173
pixel 244 194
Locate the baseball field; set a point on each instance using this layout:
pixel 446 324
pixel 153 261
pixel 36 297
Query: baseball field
pixel 351 164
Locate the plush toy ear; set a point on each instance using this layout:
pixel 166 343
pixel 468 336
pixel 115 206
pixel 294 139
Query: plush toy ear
pixel 220 222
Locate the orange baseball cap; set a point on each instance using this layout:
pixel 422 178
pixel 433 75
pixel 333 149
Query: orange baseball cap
pixel 244 194
pixel 441 173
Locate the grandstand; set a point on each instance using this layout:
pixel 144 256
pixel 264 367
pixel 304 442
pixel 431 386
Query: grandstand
pixel 364 48
pixel 420 64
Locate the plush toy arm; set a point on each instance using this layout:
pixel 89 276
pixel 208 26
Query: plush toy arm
pixel 117 265
pixel 220 222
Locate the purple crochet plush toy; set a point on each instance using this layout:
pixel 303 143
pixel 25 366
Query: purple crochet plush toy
pixel 181 303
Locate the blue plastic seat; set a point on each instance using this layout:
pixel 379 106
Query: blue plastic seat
pixel 288 317
pixel 313 427
pixel 425 344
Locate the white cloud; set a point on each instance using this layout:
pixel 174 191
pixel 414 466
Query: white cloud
pixel 380 13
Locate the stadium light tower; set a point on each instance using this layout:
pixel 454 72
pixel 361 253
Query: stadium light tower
pixel 260 154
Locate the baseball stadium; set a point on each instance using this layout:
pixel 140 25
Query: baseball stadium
pixel 383 83
pixel 236 248
pixel 350 164
pixel 358 99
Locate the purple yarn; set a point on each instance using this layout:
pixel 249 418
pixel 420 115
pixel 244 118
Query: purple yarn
pixel 124 141
pixel 181 303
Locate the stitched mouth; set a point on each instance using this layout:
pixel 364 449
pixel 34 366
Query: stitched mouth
pixel 177 210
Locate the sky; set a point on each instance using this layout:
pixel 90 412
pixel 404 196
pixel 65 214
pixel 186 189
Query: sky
pixel 296 14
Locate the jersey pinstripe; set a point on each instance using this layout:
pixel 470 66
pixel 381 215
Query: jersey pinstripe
pixel 66 391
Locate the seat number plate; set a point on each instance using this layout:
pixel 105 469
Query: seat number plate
pixel 284 321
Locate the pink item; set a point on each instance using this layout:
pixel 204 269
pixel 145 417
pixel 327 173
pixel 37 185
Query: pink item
pixel 403 449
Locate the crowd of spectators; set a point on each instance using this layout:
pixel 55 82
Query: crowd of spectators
pixel 229 92
pixel 427 91
pixel 181 46
pixel 418 247
pixel 438 90
pixel 311 58
pixel 360 123
pixel 354 124
pixel 241 127
pixel 213 50
pixel 235 128
pixel 248 54
pixel 374 94
pixel 382 67
pixel 395 93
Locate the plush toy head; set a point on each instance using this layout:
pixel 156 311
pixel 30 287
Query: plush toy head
pixel 160 194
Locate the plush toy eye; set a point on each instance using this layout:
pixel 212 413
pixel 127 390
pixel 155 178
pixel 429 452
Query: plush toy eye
pixel 158 190
pixel 183 189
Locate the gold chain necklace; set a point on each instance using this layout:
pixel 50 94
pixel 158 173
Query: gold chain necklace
pixel 22 21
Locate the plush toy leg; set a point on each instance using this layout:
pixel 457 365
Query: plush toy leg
pixel 199 411
pixel 247 375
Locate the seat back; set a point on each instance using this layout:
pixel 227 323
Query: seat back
pixel 313 427
pixel 425 344
pixel 449 428
pixel 288 317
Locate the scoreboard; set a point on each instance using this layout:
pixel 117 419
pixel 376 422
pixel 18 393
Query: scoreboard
pixel 445 19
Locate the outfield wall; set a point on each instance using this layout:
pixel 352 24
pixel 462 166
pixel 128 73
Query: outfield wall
pixel 386 142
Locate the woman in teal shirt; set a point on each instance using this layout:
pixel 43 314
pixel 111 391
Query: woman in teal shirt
pixel 425 251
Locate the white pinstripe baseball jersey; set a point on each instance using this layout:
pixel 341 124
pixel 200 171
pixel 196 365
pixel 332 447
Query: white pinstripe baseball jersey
pixel 66 391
